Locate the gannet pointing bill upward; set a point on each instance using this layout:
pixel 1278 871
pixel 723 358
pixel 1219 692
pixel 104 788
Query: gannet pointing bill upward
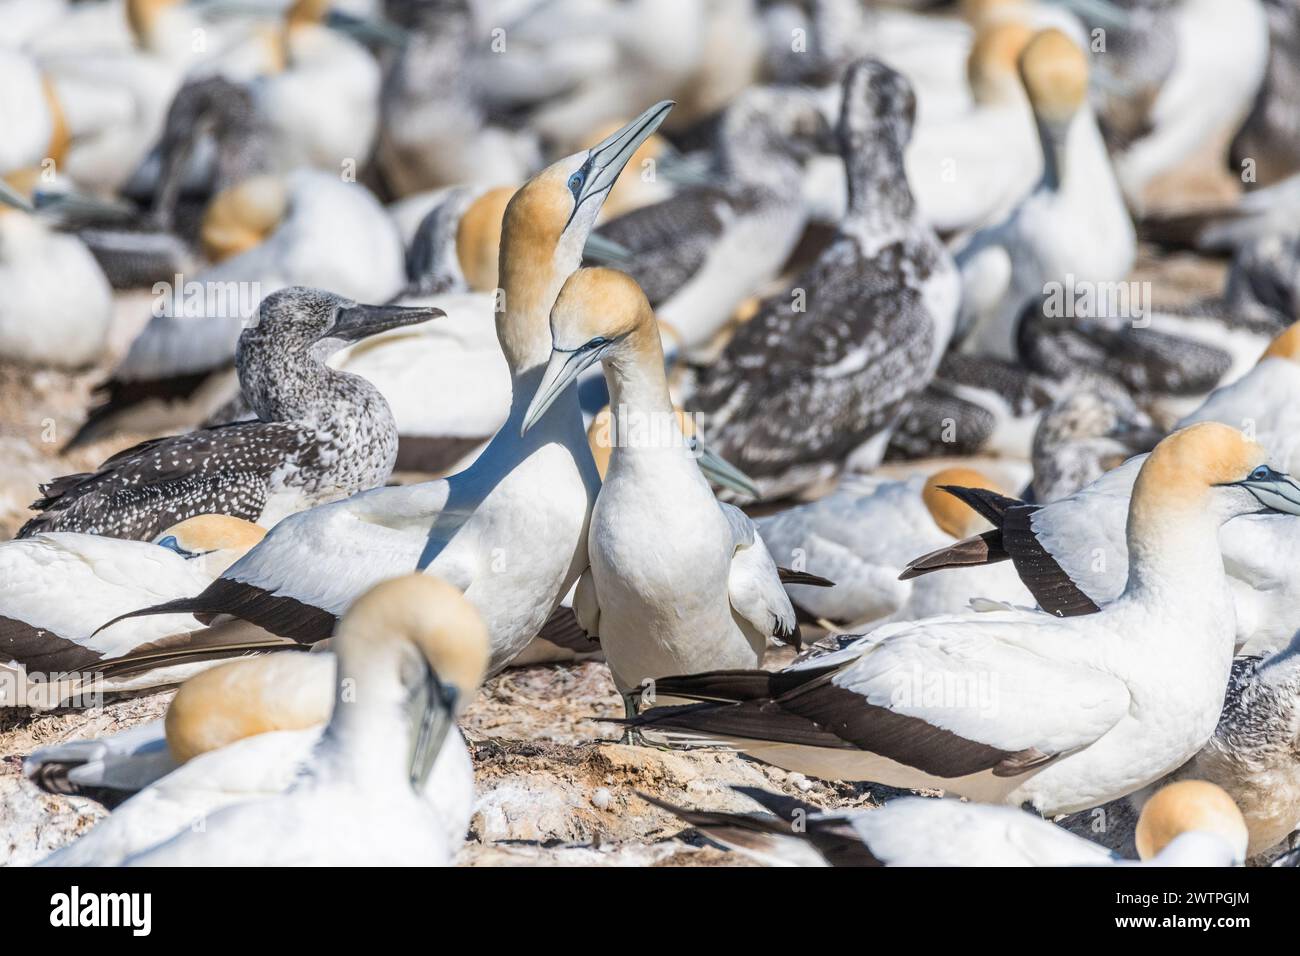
pixel 678 581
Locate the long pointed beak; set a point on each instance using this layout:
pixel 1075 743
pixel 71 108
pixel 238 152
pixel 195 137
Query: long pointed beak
pixel 561 371
pixel 361 321
pixel 722 472
pixel 610 155
pixel 433 714
pixel 1278 492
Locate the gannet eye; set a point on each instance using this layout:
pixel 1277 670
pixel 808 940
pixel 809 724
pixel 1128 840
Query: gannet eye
pixel 576 181
pixel 171 544
pixel 597 342
pixel 1260 473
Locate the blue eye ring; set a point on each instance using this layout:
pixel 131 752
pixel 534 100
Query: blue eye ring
pixel 1260 474
pixel 576 181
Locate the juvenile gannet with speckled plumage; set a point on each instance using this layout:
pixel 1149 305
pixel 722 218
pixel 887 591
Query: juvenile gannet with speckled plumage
pixel 238 732
pixel 863 534
pixel 1019 706
pixel 678 582
pixel 57 589
pixel 511 529
pixel 1084 434
pixel 263 234
pixel 57 305
pixel 319 434
pixel 1188 824
pixel 409 652
pixel 818 378
pixel 1073 224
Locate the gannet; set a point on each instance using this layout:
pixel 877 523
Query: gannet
pixel 307 228
pixel 1073 556
pixel 1017 706
pixel 863 534
pixel 678 582
pixel 57 589
pixel 1073 227
pixel 406 651
pixel 972 169
pixel 821 375
pixel 1219 63
pixel 57 304
pixel 319 435
pixel 1140 52
pixel 1188 824
pixel 238 732
pixel 701 252
pixel 511 529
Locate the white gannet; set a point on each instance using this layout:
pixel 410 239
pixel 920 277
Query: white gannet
pixel 1073 227
pixel 1018 706
pixel 1188 824
pixel 237 732
pixel 27 109
pixel 57 304
pixel 1219 63
pixel 319 435
pixel 406 650
pixel 862 535
pixel 268 232
pixel 972 169
pixel 511 529
pixel 58 589
pixel 1072 554
pixel 704 250
pixel 678 581
pixel 819 377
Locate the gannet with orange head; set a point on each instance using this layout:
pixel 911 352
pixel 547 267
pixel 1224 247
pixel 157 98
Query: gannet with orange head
pixel 410 652
pixel 57 589
pixel 511 529
pixel 1073 226
pixel 1187 824
pixel 678 582
pixel 862 535
pixel 237 732
pixel 1019 706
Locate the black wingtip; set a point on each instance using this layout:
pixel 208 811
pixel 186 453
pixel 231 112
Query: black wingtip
pixel 178 606
pixel 791 576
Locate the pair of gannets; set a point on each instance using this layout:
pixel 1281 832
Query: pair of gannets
pixel 269 232
pixel 341 759
pixel 1073 227
pixel 57 590
pixel 678 581
pixel 823 372
pixel 1186 824
pixel 57 304
pixel 863 534
pixel 319 435
pixel 511 529
pixel 1019 706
